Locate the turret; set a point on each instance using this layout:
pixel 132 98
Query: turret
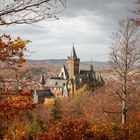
pixel 73 53
pixel 91 68
pixel 42 80
pixel 73 64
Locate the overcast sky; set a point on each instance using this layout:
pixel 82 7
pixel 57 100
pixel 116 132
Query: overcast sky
pixel 86 23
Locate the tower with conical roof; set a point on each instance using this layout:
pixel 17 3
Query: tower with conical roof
pixel 42 80
pixel 91 78
pixel 73 64
pixel 91 66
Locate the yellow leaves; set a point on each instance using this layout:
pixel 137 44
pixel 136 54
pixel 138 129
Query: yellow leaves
pixel 2 44
pixel 48 103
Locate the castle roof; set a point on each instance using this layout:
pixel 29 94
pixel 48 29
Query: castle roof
pixel 92 75
pixel 44 93
pixel 63 73
pixel 73 54
pixel 59 83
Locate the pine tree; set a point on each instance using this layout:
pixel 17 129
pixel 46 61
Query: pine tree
pixel 56 110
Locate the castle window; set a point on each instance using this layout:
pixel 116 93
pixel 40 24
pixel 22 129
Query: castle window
pixel 62 74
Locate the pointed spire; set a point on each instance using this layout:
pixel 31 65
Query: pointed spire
pixel 73 54
pixel 42 80
pixel 91 66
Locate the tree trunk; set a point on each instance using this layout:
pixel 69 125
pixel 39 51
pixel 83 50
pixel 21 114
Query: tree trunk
pixel 124 113
pixel 124 108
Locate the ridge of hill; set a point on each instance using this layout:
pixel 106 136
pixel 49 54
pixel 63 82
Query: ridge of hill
pixel 59 62
pixel 49 67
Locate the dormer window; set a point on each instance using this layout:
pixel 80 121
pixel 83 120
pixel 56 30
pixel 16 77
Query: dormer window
pixel 62 74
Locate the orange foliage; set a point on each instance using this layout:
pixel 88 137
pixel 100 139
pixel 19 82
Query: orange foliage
pixel 48 103
pixel 12 51
pixel 79 129
pixel 13 102
pixel 12 54
pixel 72 129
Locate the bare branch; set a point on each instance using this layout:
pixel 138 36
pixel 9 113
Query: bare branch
pixel 124 59
pixel 29 11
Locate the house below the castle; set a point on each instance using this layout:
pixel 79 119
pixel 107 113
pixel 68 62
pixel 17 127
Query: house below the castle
pixel 42 94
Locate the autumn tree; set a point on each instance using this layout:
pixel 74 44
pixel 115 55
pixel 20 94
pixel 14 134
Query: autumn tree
pixel 29 11
pixel 13 101
pixel 125 61
pixel 82 129
pixel 12 51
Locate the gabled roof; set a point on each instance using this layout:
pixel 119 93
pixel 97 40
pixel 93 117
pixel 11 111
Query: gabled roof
pixel 63 73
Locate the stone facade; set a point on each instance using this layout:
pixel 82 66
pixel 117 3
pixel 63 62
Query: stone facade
pixel 69 81
pixel 73 64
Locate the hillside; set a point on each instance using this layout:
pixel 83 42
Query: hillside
pixel 59 62
pixel 49 67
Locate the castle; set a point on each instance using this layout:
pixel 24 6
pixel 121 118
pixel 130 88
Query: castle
pixel 67 82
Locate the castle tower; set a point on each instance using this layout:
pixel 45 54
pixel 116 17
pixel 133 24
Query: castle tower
pixel 91 78
pixel 73 64
pixel 91 66
pixel 42 80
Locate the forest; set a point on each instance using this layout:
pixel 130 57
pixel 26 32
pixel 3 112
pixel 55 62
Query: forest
pixel 109 112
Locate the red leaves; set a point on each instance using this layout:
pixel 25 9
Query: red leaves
pixel 73 129
pixel 79 129
pixel 12 102
pixel 12 51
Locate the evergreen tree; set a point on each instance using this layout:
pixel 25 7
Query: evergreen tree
pixel 56 110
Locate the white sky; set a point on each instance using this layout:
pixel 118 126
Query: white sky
pixel 88 24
